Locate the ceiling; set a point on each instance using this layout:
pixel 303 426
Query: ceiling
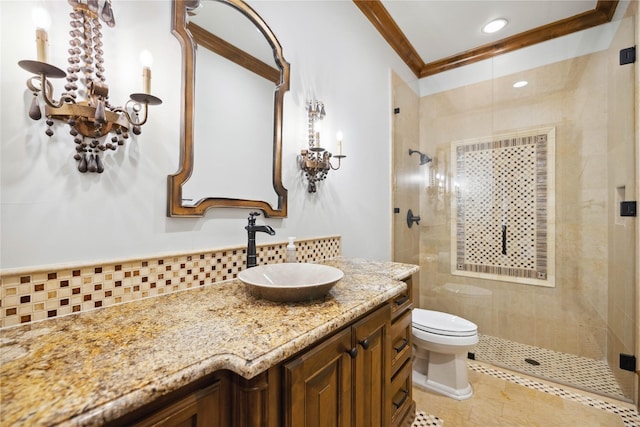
pixel 432 36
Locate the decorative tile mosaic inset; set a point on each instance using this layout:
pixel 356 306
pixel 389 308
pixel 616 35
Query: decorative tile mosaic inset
pixel 503 207
pixel 38 295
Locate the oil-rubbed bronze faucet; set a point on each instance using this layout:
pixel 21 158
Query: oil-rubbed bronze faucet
pixel 252 228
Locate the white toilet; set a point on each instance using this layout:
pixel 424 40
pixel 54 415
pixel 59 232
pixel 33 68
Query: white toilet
pixel 441 342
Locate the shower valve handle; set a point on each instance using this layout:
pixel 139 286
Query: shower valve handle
pixel 411 218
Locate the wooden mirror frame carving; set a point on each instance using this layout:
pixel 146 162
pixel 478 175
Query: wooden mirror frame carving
pixel 188 36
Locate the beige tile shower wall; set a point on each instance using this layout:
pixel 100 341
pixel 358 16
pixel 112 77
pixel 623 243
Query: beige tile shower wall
pixel 406 188
pixel 568 96
pixel 621 183
pixel 635 7
pixel 29 296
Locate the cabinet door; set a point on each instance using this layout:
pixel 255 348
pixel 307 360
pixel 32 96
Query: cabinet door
pixel 208 407
pixel 371 368
pixel 317 385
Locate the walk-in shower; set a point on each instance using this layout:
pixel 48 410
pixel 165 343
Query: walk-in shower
pixel 547 272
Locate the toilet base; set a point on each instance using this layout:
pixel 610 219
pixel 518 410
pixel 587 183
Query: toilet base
pixel 420 380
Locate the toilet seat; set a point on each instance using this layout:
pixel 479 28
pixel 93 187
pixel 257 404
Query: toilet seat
pixel 436 322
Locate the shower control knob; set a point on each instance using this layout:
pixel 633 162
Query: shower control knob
pixel 411 218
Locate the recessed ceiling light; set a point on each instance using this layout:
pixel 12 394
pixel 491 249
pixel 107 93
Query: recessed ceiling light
pixel 521 83
pixel 494 26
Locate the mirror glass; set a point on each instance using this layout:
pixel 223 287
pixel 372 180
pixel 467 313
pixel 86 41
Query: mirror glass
pixel 231 147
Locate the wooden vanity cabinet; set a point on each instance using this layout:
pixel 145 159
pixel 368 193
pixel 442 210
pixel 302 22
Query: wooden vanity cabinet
pixel 202 406
pixel 358 377
pixel 342 381
pixel 371 373
pixel 399 397
pixel 317 385
pixel 223 399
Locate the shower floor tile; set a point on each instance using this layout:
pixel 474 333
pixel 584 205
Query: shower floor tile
pixel 580 372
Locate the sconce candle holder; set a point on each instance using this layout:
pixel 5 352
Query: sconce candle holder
pixel 92 118
pixel 315 161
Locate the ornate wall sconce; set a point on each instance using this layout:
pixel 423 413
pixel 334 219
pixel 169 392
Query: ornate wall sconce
pixel 315 162
pixel 91 119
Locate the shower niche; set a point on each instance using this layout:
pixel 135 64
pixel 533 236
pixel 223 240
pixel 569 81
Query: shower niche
pixel 503 207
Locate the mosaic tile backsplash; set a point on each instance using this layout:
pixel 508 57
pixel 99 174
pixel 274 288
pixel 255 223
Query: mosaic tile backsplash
pixel 38 295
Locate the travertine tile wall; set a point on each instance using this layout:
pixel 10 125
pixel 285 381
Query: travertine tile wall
pixel 406 175
pixel 568 96
pixel 622 181
pixel 635 12
pixel 590 312
pixel 29 296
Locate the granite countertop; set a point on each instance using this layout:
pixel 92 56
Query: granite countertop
pixel 394 270
pixel 89 368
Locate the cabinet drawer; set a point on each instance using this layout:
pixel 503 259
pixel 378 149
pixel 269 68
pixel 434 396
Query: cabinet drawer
pixel 401 395
pixel 402 302
pixel 400 341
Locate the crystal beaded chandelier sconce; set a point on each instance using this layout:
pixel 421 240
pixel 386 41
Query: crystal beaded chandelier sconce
pixel 84 105
pixel 315 162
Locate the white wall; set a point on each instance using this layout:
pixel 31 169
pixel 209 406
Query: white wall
pixel 51 214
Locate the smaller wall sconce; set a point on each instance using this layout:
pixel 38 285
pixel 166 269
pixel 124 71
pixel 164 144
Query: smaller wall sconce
pixel 93 118
pixel 315 162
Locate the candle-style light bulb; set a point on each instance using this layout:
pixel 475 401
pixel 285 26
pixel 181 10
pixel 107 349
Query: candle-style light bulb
pixel 318 129
pixel 146 59
pixel 339 138
pixel 42 21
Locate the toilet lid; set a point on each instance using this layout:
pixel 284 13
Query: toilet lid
pixel 440 323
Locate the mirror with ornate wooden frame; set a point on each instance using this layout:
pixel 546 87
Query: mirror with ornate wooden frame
pixel 231 110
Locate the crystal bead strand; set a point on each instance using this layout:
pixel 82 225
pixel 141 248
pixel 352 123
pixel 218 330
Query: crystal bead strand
pixel 87 57
pixel 72 75
pixel 98 60
pixel 78 44
pixel 74 56
pixel 97 43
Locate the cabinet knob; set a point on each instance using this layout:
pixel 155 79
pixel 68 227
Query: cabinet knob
pixel 353 352
pixel 365 343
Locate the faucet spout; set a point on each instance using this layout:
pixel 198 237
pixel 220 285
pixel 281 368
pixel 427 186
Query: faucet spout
pixel 252 229
pixel 264 229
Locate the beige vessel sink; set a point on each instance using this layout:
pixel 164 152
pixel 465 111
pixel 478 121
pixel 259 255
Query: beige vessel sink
pixel 290 282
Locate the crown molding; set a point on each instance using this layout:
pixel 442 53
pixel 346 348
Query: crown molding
pixel 375 11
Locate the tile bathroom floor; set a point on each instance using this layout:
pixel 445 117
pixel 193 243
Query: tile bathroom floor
pixel 505 398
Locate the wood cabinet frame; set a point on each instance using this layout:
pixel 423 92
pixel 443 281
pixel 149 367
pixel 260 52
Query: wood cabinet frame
pixel 356 367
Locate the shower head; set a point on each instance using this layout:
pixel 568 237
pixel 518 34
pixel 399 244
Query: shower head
pixel 424 159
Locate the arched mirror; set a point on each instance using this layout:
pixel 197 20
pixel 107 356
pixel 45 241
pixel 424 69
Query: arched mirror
pixel 234 81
